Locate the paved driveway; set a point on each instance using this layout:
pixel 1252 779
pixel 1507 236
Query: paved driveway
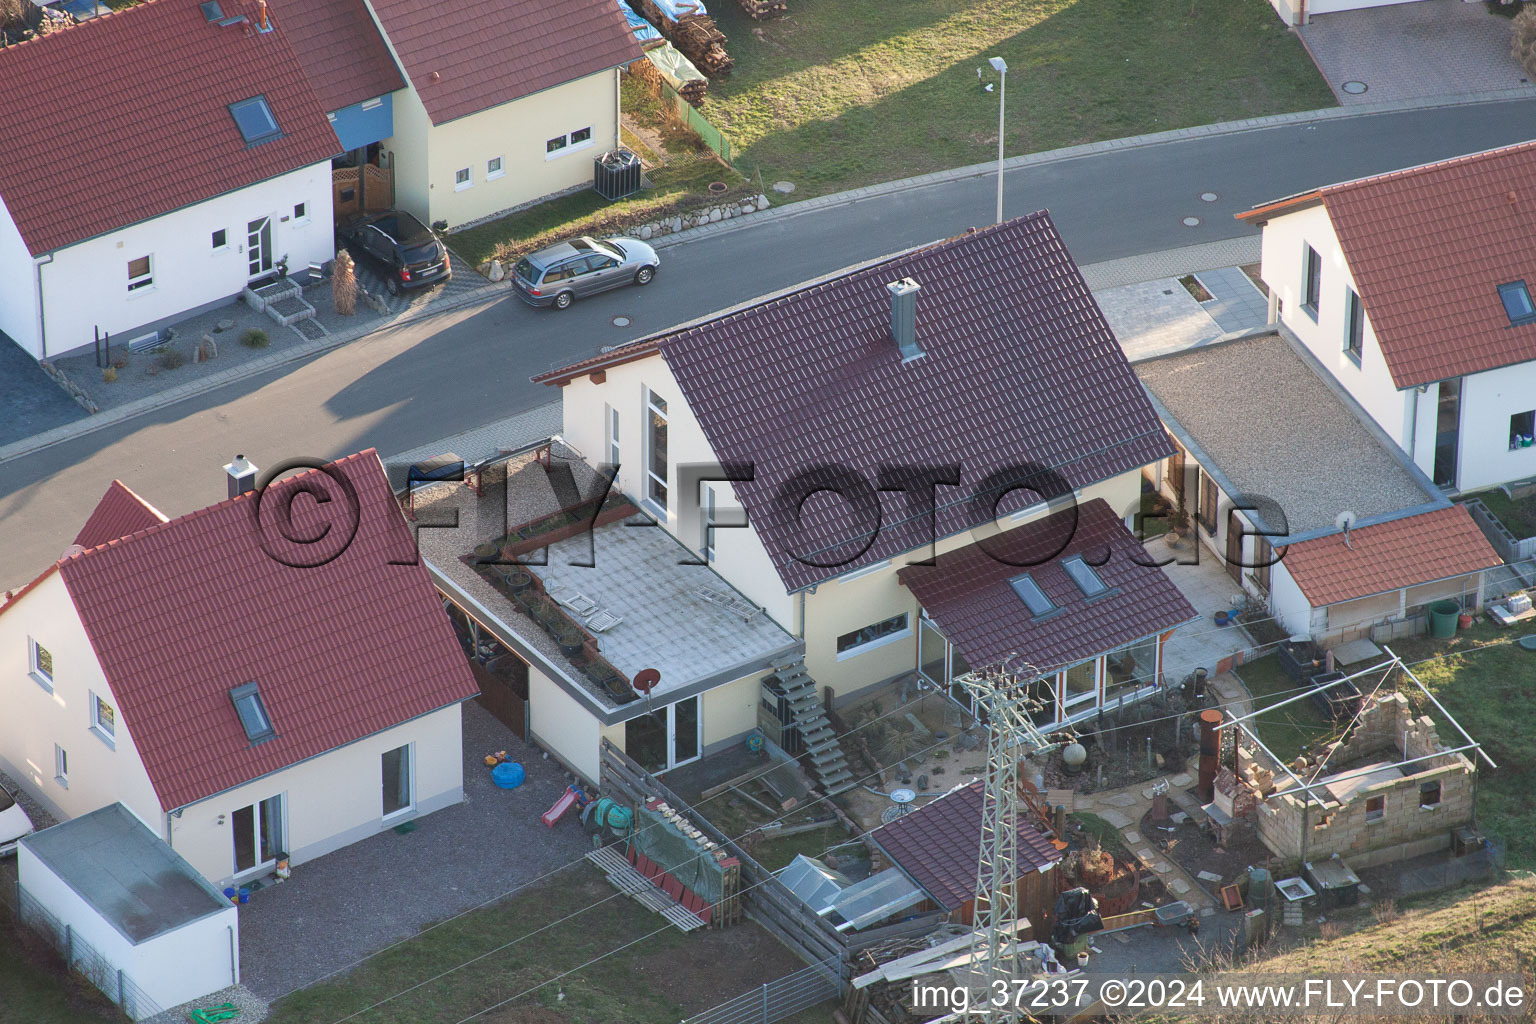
pixel 1413 51
pixel 358 900
pixel 30 401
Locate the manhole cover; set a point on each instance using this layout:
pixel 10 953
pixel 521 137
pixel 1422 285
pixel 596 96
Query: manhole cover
pixel 1355 88
pixel 1209 197
pixel 717 187
pixel 621 321
pixel 1191 222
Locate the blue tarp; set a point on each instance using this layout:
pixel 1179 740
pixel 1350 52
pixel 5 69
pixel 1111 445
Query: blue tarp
pixel 676 9
pixel 643 30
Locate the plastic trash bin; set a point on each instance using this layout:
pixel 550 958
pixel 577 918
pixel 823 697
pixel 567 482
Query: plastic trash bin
pixel 508 775
pixel 1442 619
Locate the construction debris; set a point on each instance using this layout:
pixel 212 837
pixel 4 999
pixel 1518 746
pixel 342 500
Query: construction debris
pixel 760 9
pixel 687 25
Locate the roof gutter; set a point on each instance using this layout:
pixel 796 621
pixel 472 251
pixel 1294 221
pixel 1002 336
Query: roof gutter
pixel 1260 214
pixel 38 263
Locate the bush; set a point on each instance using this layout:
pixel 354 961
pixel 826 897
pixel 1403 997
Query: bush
pixel 1522 44
pixel 170 359
pixel 109 374
pixel 255 337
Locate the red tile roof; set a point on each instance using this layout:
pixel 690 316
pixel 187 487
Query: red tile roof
pixel 1428 248
pixel 1019 368
pixel 938 845
pixel 118 513
pixel 184 611
pixel 1388 556
pixel 967 592
pixel 340 49
pixel 488 52
pixel 126 117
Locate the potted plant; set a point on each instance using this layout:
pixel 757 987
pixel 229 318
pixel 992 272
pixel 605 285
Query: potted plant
pixel 570 640
pixel 1178 520
pixel 517 580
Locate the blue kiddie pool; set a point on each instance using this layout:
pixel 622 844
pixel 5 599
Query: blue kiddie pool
pixel 508 775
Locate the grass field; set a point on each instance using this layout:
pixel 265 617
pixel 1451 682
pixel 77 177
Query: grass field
pixel 844 93
pixel 1518 516
pixel 1283 730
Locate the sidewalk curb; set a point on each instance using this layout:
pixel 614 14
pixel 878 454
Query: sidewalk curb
pixel 128 410
pixel 1132 142
pixel 191 389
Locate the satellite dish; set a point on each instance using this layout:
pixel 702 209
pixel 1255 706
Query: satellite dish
pixel 645 681
pixel 1345 520
pixel 72 551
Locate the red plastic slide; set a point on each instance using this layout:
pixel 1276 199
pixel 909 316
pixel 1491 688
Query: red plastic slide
pixel 566 802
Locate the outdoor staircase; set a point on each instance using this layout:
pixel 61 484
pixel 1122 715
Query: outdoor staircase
pixel 822 749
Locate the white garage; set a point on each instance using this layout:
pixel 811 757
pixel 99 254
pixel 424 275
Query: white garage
pixel 130 912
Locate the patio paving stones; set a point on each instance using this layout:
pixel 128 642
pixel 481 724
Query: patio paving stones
pixel 1115 818
pixel 1120 800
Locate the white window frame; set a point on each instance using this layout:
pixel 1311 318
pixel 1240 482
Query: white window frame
pixel 301 218
pixel 409 810
pixel 567 146
pixel 259 867
pixel 659 507
pixel 709 514
pixel 870 645
pixel 500 169
pixel 34 665
pixel 612 423
pixel 216 247
pixel 1068 703
pixel 469 179
pixel 61 766
pixel 144 282
pixel 106 733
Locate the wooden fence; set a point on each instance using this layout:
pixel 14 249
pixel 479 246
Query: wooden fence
pixel 370 188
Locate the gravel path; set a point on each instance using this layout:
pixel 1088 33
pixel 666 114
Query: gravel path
pixel 354 902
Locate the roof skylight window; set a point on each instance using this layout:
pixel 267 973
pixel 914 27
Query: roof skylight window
pixel 252 712
pixel 1517 302
pixel 254 119
pixel 1033 597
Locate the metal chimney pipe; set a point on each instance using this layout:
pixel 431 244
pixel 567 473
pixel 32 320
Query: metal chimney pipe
pixel 904 316
pixel 241 476
pixel 1210 753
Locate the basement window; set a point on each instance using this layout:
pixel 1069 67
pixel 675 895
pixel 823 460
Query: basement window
pixel 1429 795
pixel 252 713
pixel 254 119
pixel 1375 808
pixel 1517 302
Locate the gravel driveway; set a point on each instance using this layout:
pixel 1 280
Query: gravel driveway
pixel 344 906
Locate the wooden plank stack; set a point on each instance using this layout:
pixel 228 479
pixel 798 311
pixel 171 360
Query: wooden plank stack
pixel 695 34
pixel 693 90
pixel 761 9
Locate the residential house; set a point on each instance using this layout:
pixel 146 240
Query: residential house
pixel 976 375
pixel 1302 498
pixel 505 101
pixel 1413 290
pixel 244 698
pixel 198 160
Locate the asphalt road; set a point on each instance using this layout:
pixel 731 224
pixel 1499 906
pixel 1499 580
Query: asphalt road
pixel 403 387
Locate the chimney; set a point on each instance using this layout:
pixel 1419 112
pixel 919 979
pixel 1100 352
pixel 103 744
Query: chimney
pixel 262 24
pixel 242 476
pixel 904 316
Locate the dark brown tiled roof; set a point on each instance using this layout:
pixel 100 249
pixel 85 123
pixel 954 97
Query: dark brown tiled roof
pixel 145 91
pixel 938 845
pixel 1428 248
pixel 488 52
pixel 340 49
pixel 118 513
pixel 1019 367
pixel 1388 556
pixel 180 613
pixel 969 595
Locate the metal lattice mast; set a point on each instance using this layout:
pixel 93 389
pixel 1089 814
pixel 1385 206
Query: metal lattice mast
pixel 1003 694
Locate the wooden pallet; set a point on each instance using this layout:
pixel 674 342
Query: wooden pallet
pixel 633 884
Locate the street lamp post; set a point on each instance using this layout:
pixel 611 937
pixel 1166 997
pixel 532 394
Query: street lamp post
pixel 1001 67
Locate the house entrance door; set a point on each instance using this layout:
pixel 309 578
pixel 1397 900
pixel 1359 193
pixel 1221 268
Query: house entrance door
pixel 258 246
pixel 259 835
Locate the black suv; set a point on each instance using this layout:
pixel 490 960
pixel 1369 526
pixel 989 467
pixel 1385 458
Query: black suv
pixel 410 255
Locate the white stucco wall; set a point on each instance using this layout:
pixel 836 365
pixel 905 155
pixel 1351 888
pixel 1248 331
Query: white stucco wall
pixel 1290 605
pixel 730 711
pixel 331 800
pixel 1284 261
pixel 426 156
pixel 171 969
pixel 32 720
pixel 86 285
pixel 565 727
pixel 18 287
pixel 1488 400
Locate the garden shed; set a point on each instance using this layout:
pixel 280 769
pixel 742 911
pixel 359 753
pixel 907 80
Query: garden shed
pixel 130 912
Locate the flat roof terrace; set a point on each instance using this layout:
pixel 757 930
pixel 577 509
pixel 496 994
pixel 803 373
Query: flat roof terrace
pixel 1255 412
pixel 609 601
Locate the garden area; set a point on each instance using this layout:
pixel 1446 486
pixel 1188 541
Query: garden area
pixel 1517 514
pixel 841 94
pixel 1284 730
pixel 677 163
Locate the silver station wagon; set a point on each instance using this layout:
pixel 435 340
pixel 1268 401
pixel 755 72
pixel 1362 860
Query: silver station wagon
pixel 567 271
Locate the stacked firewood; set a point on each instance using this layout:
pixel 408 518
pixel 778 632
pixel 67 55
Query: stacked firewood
pixel 764 8
pixel 691 89
pixel 693 33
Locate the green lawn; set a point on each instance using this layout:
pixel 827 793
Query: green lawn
pixel 1518 516
pixel 1284 730
pixel 682 182
pixel 1489 685
pixel 844 93
pixel 1110 838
